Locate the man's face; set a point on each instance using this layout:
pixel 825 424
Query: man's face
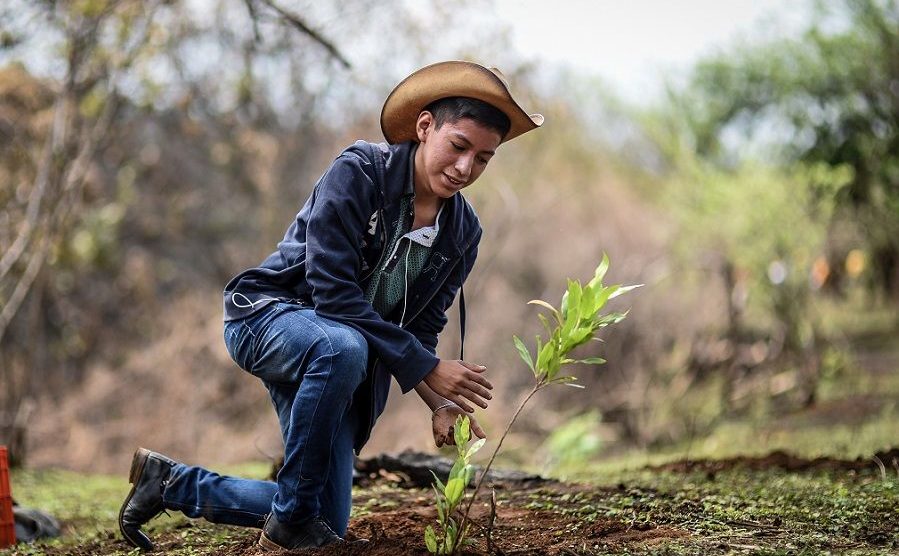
pixel 452 157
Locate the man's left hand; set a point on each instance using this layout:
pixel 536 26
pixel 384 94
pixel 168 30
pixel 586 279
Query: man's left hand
pixel 444 419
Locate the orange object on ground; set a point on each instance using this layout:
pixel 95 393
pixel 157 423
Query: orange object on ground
pixel 7 522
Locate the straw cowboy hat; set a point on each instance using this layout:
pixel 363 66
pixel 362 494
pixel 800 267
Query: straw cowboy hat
pixel 451 79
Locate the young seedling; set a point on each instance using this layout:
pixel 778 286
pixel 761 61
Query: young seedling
pixel 450 534
pixel 575 323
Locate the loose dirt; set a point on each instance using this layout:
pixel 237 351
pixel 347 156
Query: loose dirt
pixel 735 506
pixel 551 520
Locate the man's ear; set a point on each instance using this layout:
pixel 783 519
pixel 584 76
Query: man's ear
pixel 424 125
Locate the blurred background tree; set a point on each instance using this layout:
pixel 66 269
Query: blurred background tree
pixel 139 134
pixel 780 160
pixel 831 97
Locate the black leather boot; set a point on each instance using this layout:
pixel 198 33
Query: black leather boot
pixel 311 534
pixel 149 474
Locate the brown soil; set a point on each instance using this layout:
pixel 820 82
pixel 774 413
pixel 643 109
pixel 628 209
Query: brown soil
pixel 785 461
pixel 541 519
pixel 519 528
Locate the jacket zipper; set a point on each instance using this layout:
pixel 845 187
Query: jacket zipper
pixel 405 284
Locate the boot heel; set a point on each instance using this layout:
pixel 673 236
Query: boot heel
pixel 137 464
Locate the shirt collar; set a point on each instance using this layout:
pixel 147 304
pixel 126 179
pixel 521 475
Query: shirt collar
pixel 427 235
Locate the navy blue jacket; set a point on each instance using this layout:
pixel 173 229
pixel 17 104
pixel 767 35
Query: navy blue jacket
pixel 329 252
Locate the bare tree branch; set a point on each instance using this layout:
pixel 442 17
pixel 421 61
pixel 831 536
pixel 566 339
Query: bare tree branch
pixel 72 184
pixel 32 213
pixel 22 287
pixel 254 17
pixel 70 181
pixel 294 20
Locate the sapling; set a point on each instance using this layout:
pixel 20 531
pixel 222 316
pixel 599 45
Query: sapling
pixel 575 323
pixel 450 533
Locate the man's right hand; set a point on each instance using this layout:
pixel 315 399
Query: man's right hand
pixel 458 381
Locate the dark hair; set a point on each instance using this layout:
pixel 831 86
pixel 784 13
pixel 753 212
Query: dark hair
pixel 453 109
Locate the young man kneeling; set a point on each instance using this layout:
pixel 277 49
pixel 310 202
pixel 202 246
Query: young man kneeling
pixel 356 292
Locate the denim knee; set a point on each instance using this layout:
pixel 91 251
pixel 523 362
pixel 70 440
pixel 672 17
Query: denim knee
pixel 350 353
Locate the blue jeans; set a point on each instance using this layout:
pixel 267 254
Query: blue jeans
pixel 311 366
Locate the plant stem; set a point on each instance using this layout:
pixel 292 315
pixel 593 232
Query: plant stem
pixel 477 486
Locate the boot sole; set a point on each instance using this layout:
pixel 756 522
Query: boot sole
pixel 269 545
pixel 137 468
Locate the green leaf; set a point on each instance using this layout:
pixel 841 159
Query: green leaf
pixel 441 516
pixel 437 494
pixel 577 337
pixel 439 483
pixel 545 356
pixel 476 446
pixel 523 352
pixel 539 370
pixel 603 296
pixel 547 306
pixel 611 318
pixel 588 303
pixel 431 540
pixel 442 508
pixel 568 381
pixel 601 270
pixel 454 490
pixel 592 361
pixel 466 429
pixel 456 471
pixel 624 289
pixel 450 536
pixel 462 430
pixel 574 306
pixel 545 322
pixel 469 473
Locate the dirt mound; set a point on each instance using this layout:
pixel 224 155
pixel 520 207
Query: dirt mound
pixel 515 531
pixel 785 461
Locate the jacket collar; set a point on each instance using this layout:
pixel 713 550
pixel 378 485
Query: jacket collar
pixel 397 180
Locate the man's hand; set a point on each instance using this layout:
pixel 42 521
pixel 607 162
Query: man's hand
pixel 458 381
pixel 444 419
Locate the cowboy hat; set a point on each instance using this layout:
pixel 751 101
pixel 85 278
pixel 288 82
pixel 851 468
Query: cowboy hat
pixel 450 79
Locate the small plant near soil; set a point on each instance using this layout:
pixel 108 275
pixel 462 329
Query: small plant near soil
pixel 575 323
pixel 449 533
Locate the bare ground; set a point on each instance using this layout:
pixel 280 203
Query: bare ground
pixel 775 504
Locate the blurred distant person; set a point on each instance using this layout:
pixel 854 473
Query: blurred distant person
pixel 356 291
